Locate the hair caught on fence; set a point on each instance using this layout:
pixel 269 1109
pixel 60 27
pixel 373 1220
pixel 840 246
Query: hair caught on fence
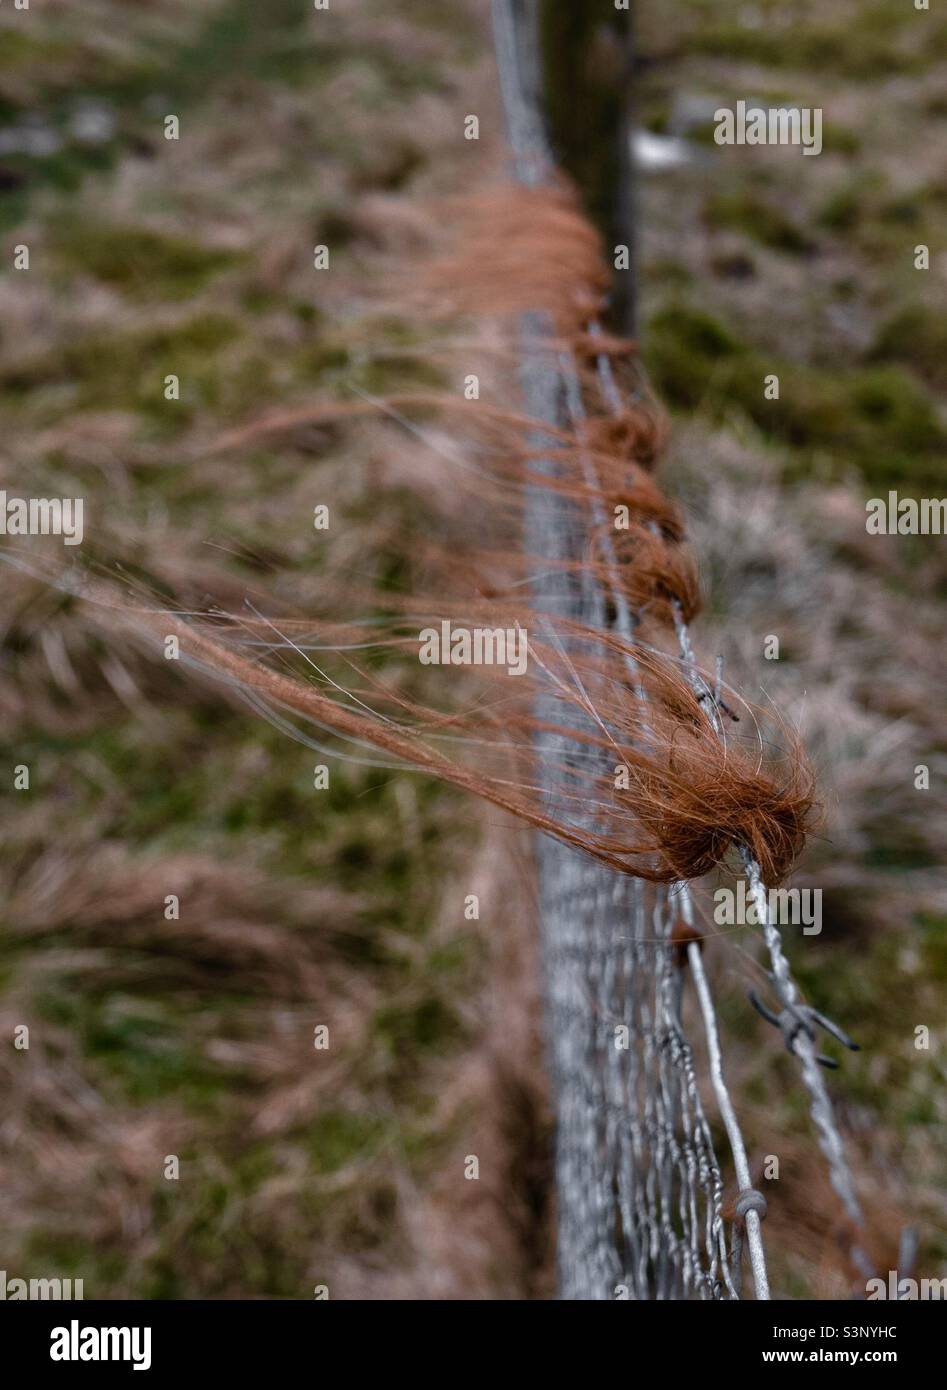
pixel 627 762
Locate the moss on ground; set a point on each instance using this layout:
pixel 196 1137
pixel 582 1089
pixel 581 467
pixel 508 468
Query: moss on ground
pixel 880 418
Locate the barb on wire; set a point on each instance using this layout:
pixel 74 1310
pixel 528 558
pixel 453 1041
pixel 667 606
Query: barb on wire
pixel 821 1109
pixel 802 1018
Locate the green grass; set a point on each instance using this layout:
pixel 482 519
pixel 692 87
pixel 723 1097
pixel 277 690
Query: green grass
pixel 140 262
pixel 875 39
pixel 341 899
pixel 747 212
pixel 879 418
pixel 915 336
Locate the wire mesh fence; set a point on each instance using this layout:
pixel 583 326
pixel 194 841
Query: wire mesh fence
pixel 639 1185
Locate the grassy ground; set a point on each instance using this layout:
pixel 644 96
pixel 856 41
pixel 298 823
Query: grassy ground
pixel 298 907
pixel 344 907
pixel 759 261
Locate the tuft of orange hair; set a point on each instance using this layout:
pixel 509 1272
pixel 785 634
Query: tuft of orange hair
pixel 626 762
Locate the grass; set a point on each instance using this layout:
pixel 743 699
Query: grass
pixel 139 262
pixel 298 906
pixel 856 43
pixel 340 907
pixel 879 418
pixel 757 266
pixel 746 212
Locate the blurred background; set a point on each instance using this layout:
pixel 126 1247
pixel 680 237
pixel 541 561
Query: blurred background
pixel 344 907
